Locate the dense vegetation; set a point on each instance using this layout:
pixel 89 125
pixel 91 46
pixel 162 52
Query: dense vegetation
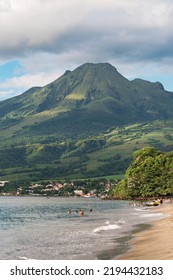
pixel 85 124
pixel 149 175
pixel 105 154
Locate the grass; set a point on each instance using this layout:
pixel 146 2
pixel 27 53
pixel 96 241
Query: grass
pixel 75 96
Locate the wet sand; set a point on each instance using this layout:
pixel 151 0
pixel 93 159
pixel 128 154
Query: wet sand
pixel 155 243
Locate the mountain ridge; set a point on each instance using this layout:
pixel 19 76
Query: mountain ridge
pixel 89 99
pixel 84 124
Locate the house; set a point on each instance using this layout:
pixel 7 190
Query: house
pixel 78 192
pixel 2 183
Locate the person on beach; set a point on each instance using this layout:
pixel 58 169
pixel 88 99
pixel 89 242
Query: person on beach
pixel 161 201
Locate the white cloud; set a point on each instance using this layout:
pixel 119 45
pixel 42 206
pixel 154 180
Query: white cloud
pixel 53 25
pixel 17 85
pixel 28 80
pixel 5 5
pixel 50 36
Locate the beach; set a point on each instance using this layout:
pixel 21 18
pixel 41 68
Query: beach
pixel 154 243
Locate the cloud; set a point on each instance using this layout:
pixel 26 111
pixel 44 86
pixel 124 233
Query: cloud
pixel 133 27
pixel 49 36
pixel 5 5
pixel 18 85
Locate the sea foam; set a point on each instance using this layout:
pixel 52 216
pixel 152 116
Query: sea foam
pixel 104 228
pixel 148 215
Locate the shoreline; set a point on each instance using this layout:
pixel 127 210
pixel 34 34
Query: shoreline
pixel 154 243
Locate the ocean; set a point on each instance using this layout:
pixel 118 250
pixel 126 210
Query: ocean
pixel 38 228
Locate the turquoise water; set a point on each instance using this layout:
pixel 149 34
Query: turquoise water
pixel 41 228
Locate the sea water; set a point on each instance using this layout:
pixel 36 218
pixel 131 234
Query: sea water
pixel 41 228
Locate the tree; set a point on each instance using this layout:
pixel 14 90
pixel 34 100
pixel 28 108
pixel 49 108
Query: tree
pixel 150 174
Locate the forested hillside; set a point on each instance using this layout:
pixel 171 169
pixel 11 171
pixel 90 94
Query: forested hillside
pixel 87 123
pixel 149 175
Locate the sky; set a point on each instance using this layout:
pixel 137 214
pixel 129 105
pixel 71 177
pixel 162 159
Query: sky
pixel 41 39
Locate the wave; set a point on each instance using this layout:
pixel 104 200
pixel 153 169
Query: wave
pixel 25 258
pixel 139 209
pixel 148 215
pixel 105 228
pixel 121 222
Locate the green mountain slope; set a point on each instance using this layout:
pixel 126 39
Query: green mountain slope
pixel 86 101
pixel 79 125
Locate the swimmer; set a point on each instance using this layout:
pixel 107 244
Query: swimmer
pixel 69 211
pixel 81 212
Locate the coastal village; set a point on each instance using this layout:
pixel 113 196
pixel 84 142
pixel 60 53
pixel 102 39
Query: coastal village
pixel 78 188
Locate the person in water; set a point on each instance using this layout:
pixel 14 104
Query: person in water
pixel 81 212
pixel 69 211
